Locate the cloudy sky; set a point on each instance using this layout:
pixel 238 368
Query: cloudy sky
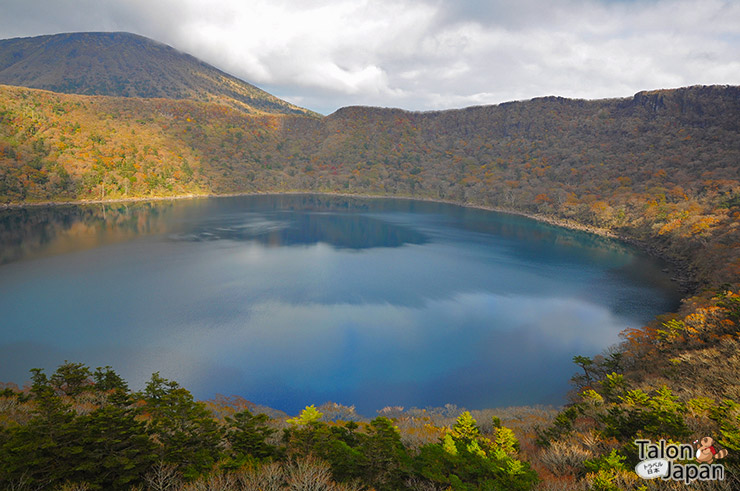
pixel 424 54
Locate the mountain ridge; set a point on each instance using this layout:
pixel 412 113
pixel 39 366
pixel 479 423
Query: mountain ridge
pixel 128 65
pixel 661 165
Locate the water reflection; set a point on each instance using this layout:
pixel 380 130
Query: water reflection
pixel 40 231
pixel 295 300
pixel 276 220
pixel 31 232
pixel 282 228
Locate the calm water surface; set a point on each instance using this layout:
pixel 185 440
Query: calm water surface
pixel 297 300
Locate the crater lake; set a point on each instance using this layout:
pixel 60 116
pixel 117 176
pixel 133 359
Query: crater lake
pixel 291 300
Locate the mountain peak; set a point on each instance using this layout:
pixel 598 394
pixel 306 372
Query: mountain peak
pixel 123 64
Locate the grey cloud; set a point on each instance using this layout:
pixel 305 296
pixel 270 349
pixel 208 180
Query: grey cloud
pixel 19 18
pixel 425 54
pixel 503 13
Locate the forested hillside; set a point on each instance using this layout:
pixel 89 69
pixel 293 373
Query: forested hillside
pixel 660 168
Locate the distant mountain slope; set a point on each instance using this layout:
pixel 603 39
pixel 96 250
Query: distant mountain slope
pixel 128 65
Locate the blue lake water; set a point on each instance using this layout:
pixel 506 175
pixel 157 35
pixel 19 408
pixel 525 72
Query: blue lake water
pixel 296 300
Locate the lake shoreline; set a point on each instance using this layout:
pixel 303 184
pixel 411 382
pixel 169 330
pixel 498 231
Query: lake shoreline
pixel 429 264
pixel 680 268
pixel 569 224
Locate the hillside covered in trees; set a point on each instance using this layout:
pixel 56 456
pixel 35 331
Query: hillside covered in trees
pixel 659 169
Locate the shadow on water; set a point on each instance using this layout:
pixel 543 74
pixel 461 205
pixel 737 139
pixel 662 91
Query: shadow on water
pixel 305 228
pixel 27 233
pixel 486 309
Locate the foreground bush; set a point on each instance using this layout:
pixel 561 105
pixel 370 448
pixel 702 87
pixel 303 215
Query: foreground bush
pixel 80 429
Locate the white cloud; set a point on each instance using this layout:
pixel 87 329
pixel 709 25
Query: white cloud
pixel 311 337
pixel 426 54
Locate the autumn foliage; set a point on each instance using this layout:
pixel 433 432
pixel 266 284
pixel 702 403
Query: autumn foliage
pixel 659 169
pixel 87 430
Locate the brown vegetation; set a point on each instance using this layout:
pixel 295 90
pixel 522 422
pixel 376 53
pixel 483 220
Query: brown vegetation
pixel 660 169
